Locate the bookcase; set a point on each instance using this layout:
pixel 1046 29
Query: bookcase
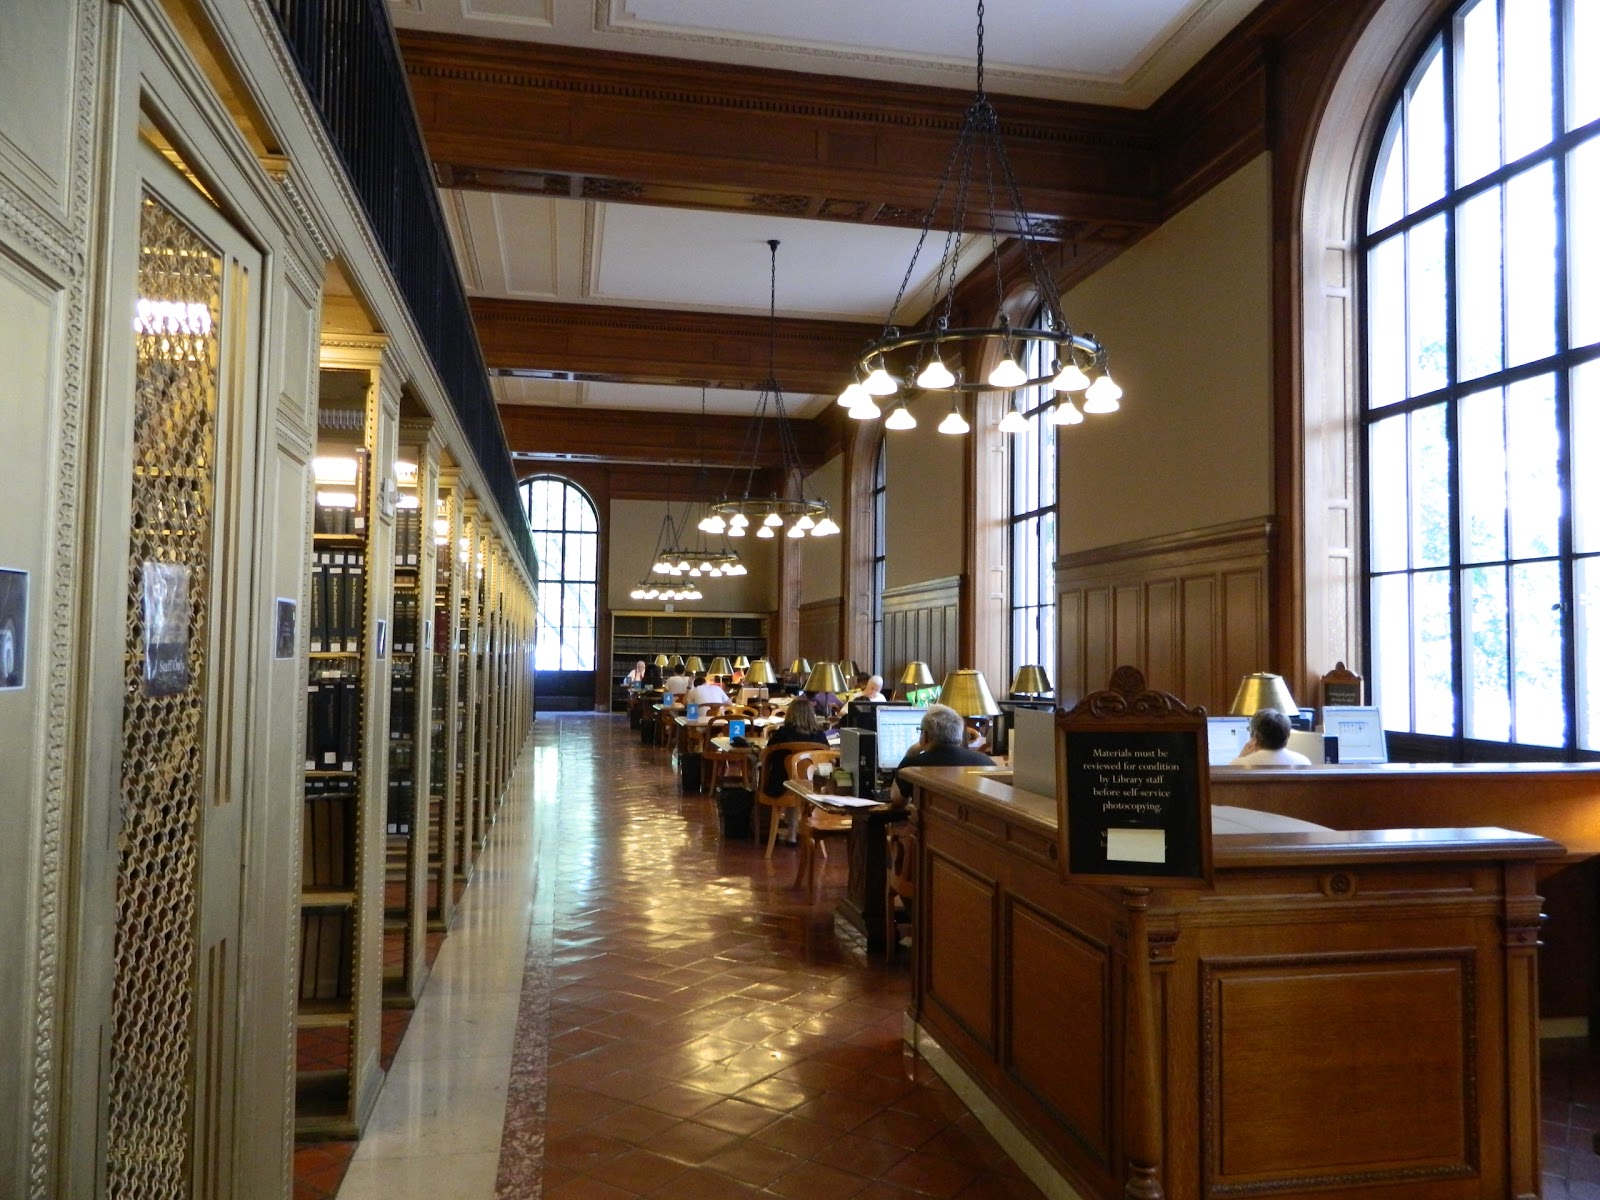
pixel 409 811
pixel 444 701
pixel 346 754
pixel 636 635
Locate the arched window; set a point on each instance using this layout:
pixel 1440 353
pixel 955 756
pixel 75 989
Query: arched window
pixel 880 549
pixel 566 537
pixel 1031 457
pixel 1481 384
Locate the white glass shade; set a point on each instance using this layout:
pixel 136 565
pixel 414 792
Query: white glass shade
pixel 865 409
pixel 901 418
pixel 1102 396
pixel 795 531
pixel 935 375
pixel 954 423
pixel 1007 374
pixel 854 395
pixel 881 383
pixel 738 521
pixel 805 521
pixel 825 528
pixel 735 530
pixel 772 520
pixel 1066 413
pixel 1071 379
pixel 765 531
pixel 1013 422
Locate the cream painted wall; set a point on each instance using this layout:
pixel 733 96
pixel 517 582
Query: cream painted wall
pixel 634 526
pixel 1186 315
pixel 822 559
pixel 925 502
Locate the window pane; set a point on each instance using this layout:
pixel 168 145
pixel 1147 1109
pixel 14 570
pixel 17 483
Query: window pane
pixel 1431 651
pixel 1530 96
pixel 1586 457
pixel 1483 462
pixel 1425 135
pixel 1530 265
pixel 580 513
pixel 1430 488
pixel 1486 688
pixel 1586 591
pixel 1533 448
pixel 1477 130
pixel 1386 323
pixel 1479 297
pixel 1391 650
pixel 1536 653
pixel 1583 242
pixel 1583 51
pixel 581 549
pixel 1386 463
pixel 1425 309
pixel 1388 183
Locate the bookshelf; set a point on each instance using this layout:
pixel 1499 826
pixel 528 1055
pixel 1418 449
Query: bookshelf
pixel 444 701
pixel 346 763
pixel 636 635
pixel 469 798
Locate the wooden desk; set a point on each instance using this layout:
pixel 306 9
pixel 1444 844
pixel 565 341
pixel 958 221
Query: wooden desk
pixel 1344 1015
pixel 862 904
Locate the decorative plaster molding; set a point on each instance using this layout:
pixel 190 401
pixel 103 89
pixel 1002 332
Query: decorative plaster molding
pixel 27 222
pixel 297 200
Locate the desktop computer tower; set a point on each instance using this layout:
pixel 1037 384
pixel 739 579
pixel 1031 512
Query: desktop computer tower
pixel 858 754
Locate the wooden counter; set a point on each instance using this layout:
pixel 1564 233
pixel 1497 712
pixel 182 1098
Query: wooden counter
pixel 1346 1014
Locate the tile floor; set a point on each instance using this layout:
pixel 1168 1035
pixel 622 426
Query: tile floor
pixel 628 1006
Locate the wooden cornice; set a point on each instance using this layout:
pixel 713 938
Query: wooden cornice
pixel 555 121
pixel 548 433
pixel 661 346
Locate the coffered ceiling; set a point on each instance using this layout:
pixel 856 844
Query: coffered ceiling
pixel 611 171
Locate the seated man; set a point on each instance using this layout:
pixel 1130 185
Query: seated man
pixel 706 692
pixel 943 744
pixel 1269 735
pixel 677 684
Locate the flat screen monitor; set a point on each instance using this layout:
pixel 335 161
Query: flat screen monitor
pixel 863 714
pixel 1359 730
pixel 1225 737
pixel 899 729
pixel 1033 751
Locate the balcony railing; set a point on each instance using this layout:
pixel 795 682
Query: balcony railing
pixel 348 60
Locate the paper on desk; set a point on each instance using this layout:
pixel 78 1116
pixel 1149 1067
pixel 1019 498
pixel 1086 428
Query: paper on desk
pixel 841 801
pixel 1136 845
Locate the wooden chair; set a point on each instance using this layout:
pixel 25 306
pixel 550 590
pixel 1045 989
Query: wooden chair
pixel 719 766
pixel 899 884
pixel 773 759
pixel 815 825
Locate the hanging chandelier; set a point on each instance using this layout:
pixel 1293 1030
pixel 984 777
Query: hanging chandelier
pixel 932 356
pixel 649 589
pixel 673 557
pixel 803 515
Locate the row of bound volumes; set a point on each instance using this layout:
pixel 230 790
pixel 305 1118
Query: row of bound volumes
pixel 328 835
pixel 402 708
pixel 333 723
pixel 407 537
pixel 338 600
pixel 337 518
pixel 327 943
pixel 407 631
pixel 402 800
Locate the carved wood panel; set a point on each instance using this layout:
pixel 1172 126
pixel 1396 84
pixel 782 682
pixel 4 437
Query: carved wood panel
pixel 821 630
pixel 921 622
pixel 961 965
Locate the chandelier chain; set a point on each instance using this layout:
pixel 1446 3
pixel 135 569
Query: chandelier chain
pixel 980 49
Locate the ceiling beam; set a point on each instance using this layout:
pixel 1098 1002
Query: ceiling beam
pixel 659 346
pixel 557 121
pixel 540 433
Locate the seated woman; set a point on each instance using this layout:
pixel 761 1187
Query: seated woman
pixel 1269 735
pixel 800 728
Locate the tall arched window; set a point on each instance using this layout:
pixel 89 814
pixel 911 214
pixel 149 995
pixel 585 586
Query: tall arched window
pixel 1481 357
pixel 880 549
pixel 1032 516
pixel 566 536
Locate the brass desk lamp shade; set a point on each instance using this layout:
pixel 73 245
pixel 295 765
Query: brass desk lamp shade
pixel 847 668
pixel 1263 690
pixel 968 693
pixel 741 663
pixel 693 664
pixel 661 660
pixel 1031 681
pixel 719 666
pixel 760 673
pixel 916 675
pixel 800 666
pixel 825 677
pixel 676 661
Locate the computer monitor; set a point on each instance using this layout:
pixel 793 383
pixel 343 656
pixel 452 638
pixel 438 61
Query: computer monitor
pixel 1359 730
pixel 863 714
pixel 899 729
pixel 1225 737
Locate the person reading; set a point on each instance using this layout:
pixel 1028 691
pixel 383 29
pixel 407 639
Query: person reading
pixel 1269 739
pixel 706 692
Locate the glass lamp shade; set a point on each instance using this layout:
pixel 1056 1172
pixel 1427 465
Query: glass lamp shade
pixel 1263 690
pixel 935 375
pixel 741 663
pixel 865 409
pixel 916 675
pixel 676 662
pixel 825 527
pixel 694 663
pixel 661 660
pixel 901 418
pixel 765 531
pixel 719 666
pixel 955 423
pixel 1102 396
pixel 1030 681
pixel 1066 413
pixel 1007 374
pixel 800 666
pixel 968 693
pixel 1070 379
pixel 637 593
pixel 1013 422
pixel 880 383
pixel 825 677
pixel 795 532
pixel 854 395
pixel 759 673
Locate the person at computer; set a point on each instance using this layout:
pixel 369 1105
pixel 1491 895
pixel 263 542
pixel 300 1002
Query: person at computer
pixel 943 744
pixel 801 727
pixel 676 685
pixel 872 689
pixel 635 677
pixel 1268 744
pixel 706 691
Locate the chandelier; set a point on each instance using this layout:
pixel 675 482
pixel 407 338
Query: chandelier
pixel 901 361
pixel 803 515
pixel 674 558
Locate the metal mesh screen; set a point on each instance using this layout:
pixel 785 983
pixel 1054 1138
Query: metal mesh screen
pixel 150 1101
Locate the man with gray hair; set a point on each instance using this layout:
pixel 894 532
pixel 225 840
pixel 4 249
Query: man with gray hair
pixel 943 744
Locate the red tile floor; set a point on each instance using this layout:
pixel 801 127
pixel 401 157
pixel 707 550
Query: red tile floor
pixel 691 1026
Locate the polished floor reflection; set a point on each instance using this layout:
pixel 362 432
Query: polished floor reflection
pixel 631 1006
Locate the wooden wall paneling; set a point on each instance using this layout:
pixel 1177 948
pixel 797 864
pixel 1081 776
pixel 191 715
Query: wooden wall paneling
pixel 962 968
pixel 1071 671
pixel 1197 633
pixel 1244 627
pixel 1098 634
pixel 821 629
pixel 1161 634
pixel 922 621
pixel 1127 624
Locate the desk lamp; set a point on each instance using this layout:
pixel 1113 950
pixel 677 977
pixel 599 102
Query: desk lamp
pixel 915 678
pixel 676 662
pixel 1031 681
pixel 759 674
pixel 847 668
pixel 1263 690
pixel 800 666
pixel 967 691
pixel 825 677
pixel 693 664
pixel 719 668
pixel 661 660
pixel 741 663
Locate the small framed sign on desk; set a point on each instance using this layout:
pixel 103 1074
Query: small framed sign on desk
pixel 1133 794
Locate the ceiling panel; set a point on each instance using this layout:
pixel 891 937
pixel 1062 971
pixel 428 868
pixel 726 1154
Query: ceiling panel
pixel 624 396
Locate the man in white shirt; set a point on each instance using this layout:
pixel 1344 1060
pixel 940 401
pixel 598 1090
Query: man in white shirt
pixel 676 684
pixel 1269 737
pixel 872 689
pixel 704 692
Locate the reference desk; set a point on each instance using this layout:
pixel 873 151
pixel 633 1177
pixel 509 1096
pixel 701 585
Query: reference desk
pixel 1344 1014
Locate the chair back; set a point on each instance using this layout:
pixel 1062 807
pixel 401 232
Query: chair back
pixel 803 763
